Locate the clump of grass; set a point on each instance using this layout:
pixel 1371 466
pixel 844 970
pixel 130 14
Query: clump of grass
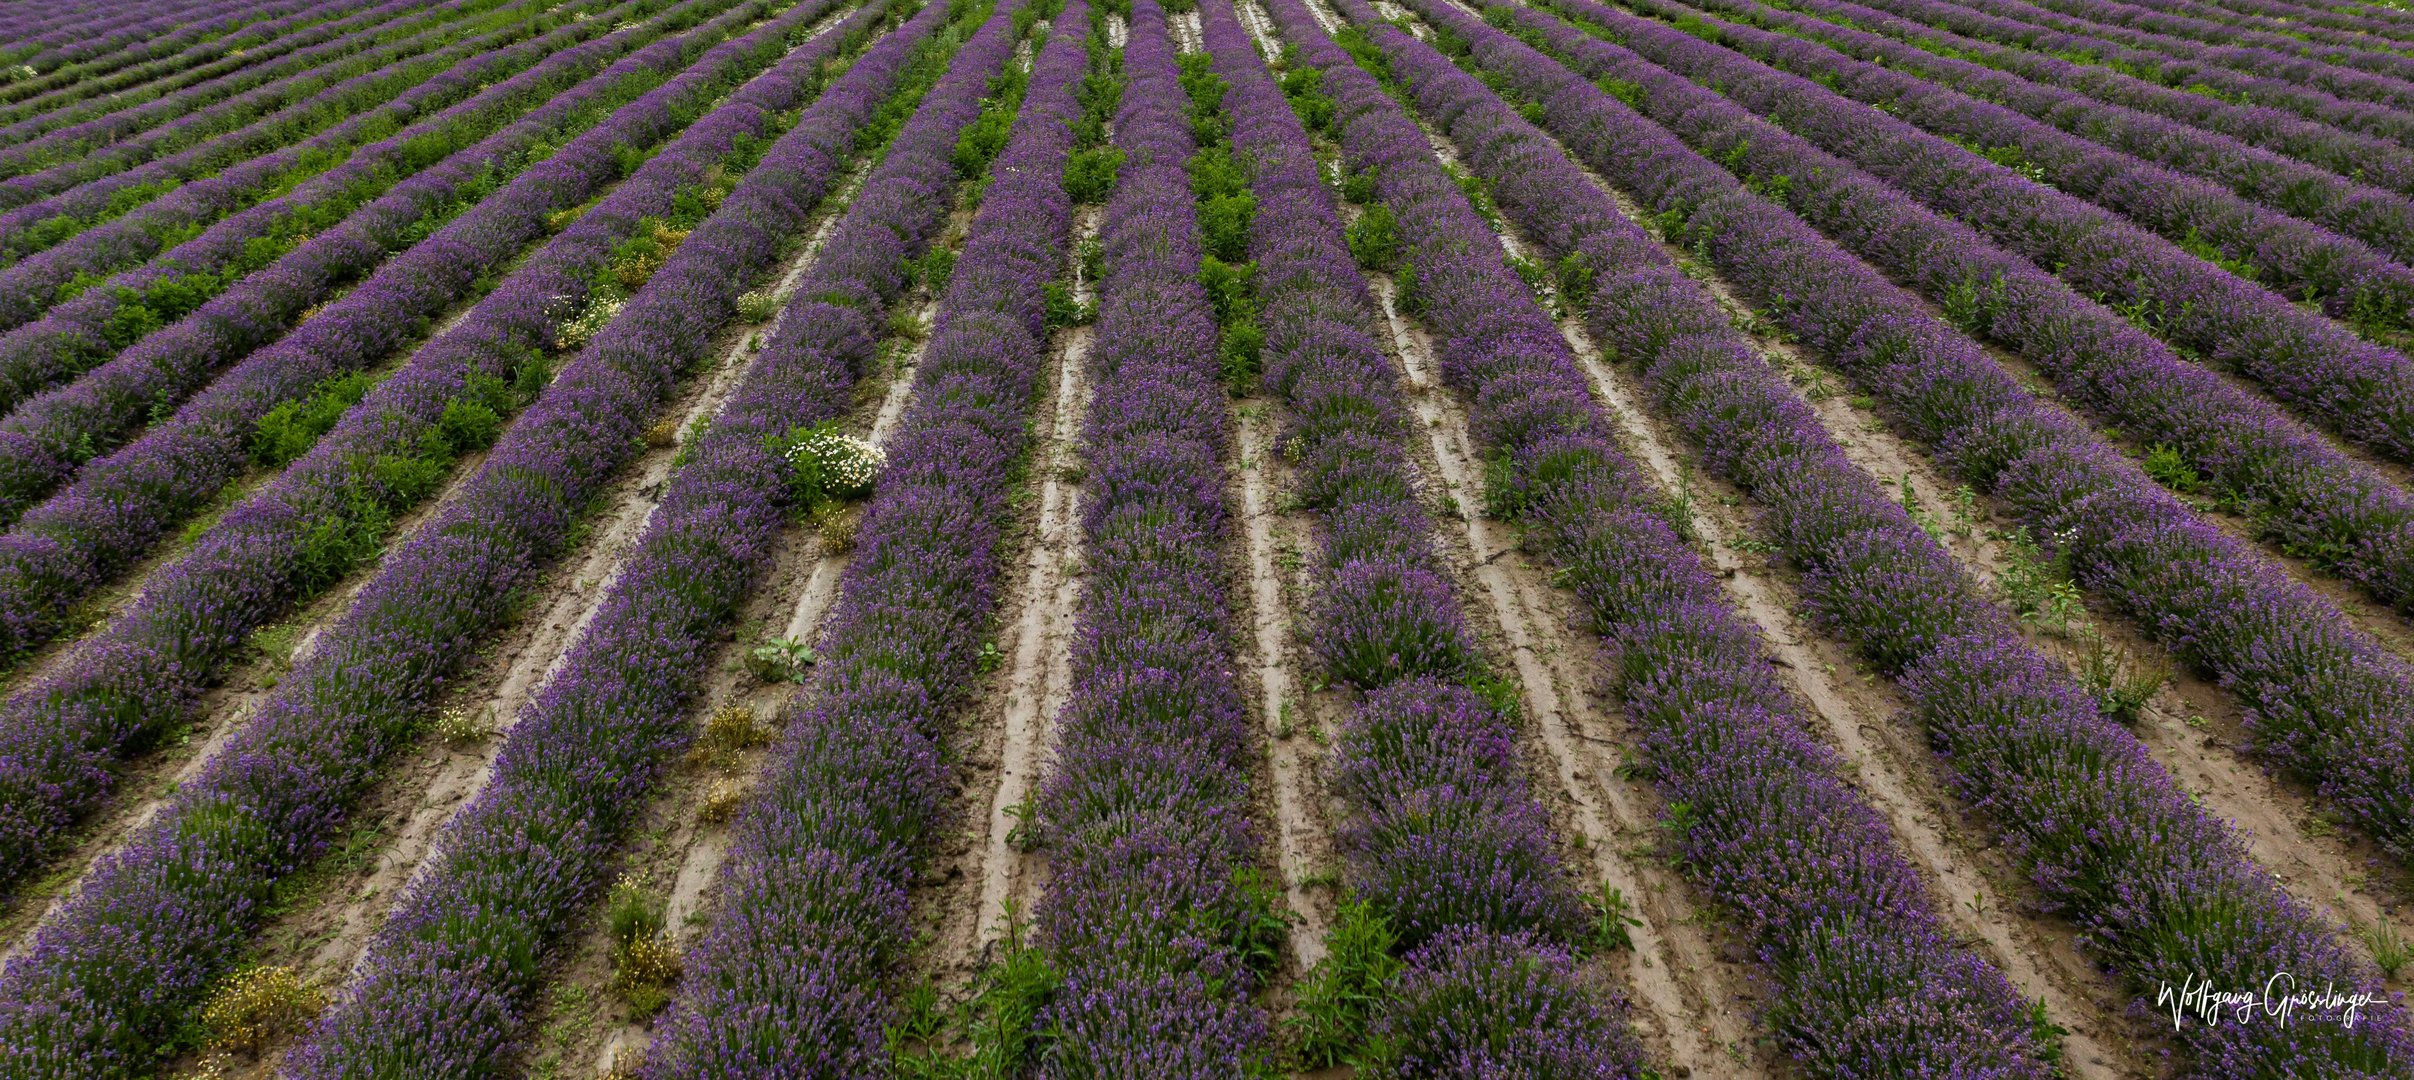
pixel 2038 589
pixel 463 726
pixel 1339 997
pixel 1613 916
pixel 721 801
pixel 2121 684
pixel 836 528
pixel 735 730
pixel 1000 1021
pixel 2390 950
pixel 253 1008
pixel 663 434
pixel 644 962
pixel 758 306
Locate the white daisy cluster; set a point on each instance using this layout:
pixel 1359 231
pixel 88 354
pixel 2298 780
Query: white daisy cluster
pixel 835 466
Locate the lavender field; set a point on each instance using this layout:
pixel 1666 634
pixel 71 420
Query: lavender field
pixel 1086 539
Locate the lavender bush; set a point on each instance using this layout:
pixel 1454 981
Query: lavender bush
pixel 2099 60
pixel 181 223
pixel 253 55
pixel 1151 915
pixel 2354 281
pixel 2358 389
pixel 2035 82
pixel 73 180
pixel 2325 701
pixel 61 134
pixel 1445 841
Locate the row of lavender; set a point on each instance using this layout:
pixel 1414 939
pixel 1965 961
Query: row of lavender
pixel 2395 69
pixel 2361 390
pixel 2042 86
pixel 2099 61
pixel 118 505
pixel 2327 702
pixel 826 849
pixel 2160 886
pixel 2363 22
pixel 109 978
pixel 44 142
pixel 135 35
pixel 1771 827
pixel 186 222
pixel 304 531
pixel 257 53
pixel 2315 500
pixel 2358 284
pixel 1447 849
pixel 1152 916
pixel 2381 218
pixel 2368 35
pixel 442 991
pixel 2169 56
pixel 101 320
pixel 78 179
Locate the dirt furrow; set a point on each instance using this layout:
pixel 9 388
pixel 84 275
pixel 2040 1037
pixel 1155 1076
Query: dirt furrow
pixel 1254 21
pixel 1303 839
pixel 1038 676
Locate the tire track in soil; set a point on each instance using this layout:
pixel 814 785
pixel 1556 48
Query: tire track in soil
pixel 1287 547
pixel 2193 728
pixel 1294 801
pixel 1009 741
